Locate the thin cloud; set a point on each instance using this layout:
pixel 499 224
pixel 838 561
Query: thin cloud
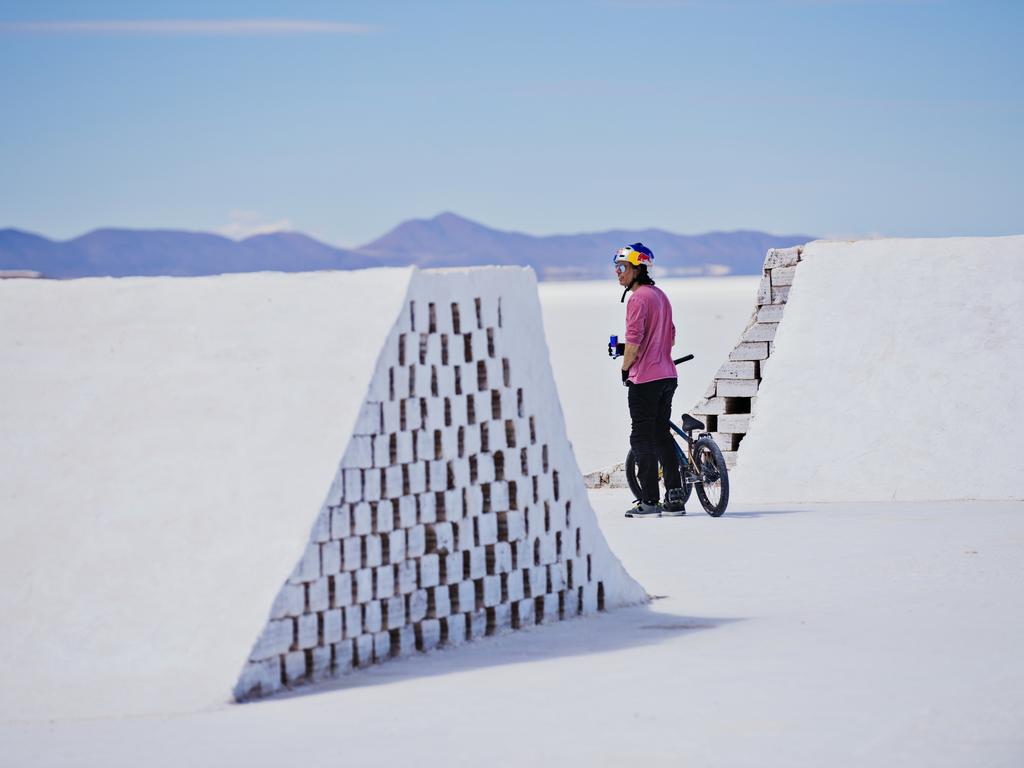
pixel 244 224
pixel 211 27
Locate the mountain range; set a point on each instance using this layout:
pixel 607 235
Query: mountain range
pixel 447 240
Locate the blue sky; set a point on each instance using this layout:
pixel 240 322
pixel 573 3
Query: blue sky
pixel 821 117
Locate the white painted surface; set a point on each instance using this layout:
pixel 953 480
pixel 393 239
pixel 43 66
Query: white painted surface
pixel 895 375
pixel 803 636
pixel 166 445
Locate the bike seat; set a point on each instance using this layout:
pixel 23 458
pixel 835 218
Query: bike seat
pixel 690 423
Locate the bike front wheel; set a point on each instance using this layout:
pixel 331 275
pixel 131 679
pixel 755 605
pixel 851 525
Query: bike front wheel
pixel 634 484
pixel 713 484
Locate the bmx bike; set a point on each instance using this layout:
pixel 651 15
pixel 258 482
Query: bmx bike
pixel 701 465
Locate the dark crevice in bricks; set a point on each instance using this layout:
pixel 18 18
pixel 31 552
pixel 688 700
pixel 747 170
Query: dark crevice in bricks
pixel 412 315
pixel 495 404
pixel 536 489
pixel 438 449
pixel 524 463
pixel 455 318
pixel 423 348
pixel 512 500
pixel 490 342
pixel 492 621
pixel 458 380
pixel 499 465
pixel 462 442
pixel 600 595
pixel 472 469
pixel 519 402
pixel 554 484
pixel 401 415
pixel 447 412
pixel 401 349
pixel 533 431
pixel 467 341
pixel 432 317
pixel 433 380
pixel 485 434
pixel 391 383
pixel 506 372
pixel 510 433
pixel 479 313
pixel 481 375
pixel 471 410
pixel 500 320
pixel 544 458
pixel 423 410
pixel 330 592
pixel 393 448
pixel 558 544
pixel 444 349
pixel 536 551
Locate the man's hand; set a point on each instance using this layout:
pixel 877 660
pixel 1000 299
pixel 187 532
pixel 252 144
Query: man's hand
pixel 628 358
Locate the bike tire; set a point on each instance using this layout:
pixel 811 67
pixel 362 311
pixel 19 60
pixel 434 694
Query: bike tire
pixel 634 484
pixel 713 490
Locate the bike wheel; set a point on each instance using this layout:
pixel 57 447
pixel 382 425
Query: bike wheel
pixel 634 484
pixel 713 488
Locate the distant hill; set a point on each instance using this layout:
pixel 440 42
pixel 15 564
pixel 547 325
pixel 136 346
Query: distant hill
pixel 446 240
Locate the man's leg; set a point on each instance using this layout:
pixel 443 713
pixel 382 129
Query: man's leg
pixel 643 410
pixel 665 444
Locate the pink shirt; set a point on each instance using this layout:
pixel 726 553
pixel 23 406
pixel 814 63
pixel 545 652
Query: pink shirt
pixel 649 326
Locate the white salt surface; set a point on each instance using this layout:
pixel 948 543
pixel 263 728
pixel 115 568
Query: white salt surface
pixel 709 314
pixel 806 635
pixel 895 376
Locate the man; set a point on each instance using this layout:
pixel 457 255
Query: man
pixel 650 374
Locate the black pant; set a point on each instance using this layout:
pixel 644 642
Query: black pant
pixel 650 407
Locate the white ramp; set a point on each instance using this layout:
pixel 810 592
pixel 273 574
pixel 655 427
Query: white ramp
pixel 894 375
pixel 170 450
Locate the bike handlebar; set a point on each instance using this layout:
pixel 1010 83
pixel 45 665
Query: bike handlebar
pixel 682 359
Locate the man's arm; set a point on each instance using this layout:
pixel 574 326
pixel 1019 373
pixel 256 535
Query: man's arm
pixel 629 356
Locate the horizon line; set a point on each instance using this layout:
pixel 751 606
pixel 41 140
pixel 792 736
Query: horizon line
pixel 209 27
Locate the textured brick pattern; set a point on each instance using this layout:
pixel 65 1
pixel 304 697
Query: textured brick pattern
pixel 446 521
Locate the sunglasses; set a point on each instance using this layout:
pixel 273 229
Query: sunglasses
pixel 620 268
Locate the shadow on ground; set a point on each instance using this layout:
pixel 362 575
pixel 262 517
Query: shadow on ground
pixel 618 629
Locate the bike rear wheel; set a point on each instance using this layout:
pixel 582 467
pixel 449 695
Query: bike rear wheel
pixel 634 484
pixel 713 488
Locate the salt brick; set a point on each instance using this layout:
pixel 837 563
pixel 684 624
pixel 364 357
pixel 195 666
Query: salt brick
pixel 319 595
pixel 458 410
pixel 463 596
pixel 534 459
pixel 407 576
pixel 537 579
pixel 308 568
pixel 343 657
pixel 535 517
pixel 381 646
pixel 364 650
pixel 452 567
pixel 730 458
pixel 446 379
pixel 764 291
pixel 771 313
pixel 333 626
pixel 734 422
pixel 782 257
pixel 412 414
pixel 433 349
pixel 438 475
pixel 362 519
pixel 429 571
pixel 330 558
pixel 416 541
pixel 736 369
pixel 369 420
pixel 321 662
pixel 290 601
pixel 403 640
pixel 509 404
pixel 259 678
pixel 392 411
pixel 416 606
pixel 359 453
pixel 395 609
pixel 295 666
pixel 439 601
pixel 336 493
pixel 512 525
pixel 342 590
pixel 526 611
pixel 424 445
pixel 479 343
pixel 381 450
pixel 502 557
pixel 435 414
pixel 372 617
pixel 277 637
pixel 548 548
pixel 514 586
pixel 353 620
pixel 471 440
pixel 373 551
pixel 341 522
pixel 455 626
pixel 477 557
pixel 322 527
pixel 371 484
pixel 417 476
pixel 403 447
pixel 384 582
pixel 353 485
pixel 491 590
pixel 427 508
pixel 477 624
pixel 588 598
pixel 502 617
pixel 442 536
pixel 549 607
pixel 449 442
pixel 780 295
pixel 407 511
pixel 428 634
pixel 396 546
pixel 309 632
pixel 499 496
pixel 738 388
pixel 393 482
pixel 572 603
pixel 752 350
pixel 482 405
pixel 352 553
pixel 474 501
pixel 453 509
pixel 364 584
pixel 487 528
pixel 556 576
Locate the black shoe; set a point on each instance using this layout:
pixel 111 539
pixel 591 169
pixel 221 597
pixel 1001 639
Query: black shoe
pixel 644 510
pixel 674 504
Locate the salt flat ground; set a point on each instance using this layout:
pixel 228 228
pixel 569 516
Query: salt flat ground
pixel 809 635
